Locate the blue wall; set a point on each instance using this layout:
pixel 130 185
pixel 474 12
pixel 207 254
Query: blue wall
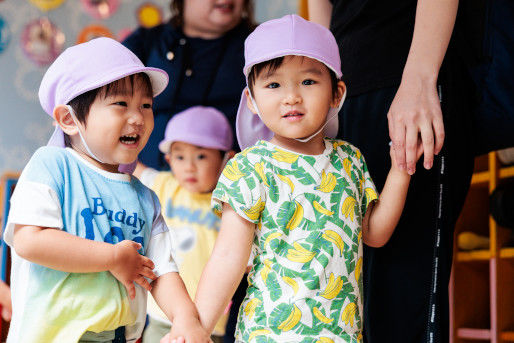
pixel 24 126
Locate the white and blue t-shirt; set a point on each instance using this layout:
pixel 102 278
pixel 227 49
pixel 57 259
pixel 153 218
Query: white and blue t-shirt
pixel 59 189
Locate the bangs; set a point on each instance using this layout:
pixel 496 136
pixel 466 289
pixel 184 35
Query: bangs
pixel 127 85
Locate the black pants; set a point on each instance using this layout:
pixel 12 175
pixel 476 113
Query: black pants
pixel 406 281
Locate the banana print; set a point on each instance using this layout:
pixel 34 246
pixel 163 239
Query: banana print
pixel 255 211
pixel 321 209
pixel 322 230
pixel 232 171
pixel 287 180
pixel 284 156
pixel 250 307
pixel 258 333
pixel 328 182
pixel 299 254
pixel 296 218
pixel 348 208
pixel 358 269
pixel 292 320
pixel 292 283
pixel 260 170
pixel 370 194
pixel 335 238
pixel 333 288
pixel 348 315
pixel 321 316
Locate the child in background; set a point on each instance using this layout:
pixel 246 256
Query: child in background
pixel 301 202
pixel 197 143
pixel 87 240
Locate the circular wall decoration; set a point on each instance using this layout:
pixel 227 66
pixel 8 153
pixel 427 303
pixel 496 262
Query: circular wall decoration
pixel 46 5
pixel 100 9
pixel 42 41
pixel 93 31
pixel 149 15
pixel 5 34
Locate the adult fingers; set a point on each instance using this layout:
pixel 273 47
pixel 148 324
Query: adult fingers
pixel 398 139
pixel 439 134
pixel 148 262
pixel 147 272
pixel 427 140
pixel 131 289
pixel 6 314
pixel 141 281
pixel 411 145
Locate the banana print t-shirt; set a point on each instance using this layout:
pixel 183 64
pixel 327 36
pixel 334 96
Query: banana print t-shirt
pixel 305 284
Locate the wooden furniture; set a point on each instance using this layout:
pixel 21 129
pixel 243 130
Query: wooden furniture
pixel 482 282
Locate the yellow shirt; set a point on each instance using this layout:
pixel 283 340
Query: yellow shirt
pixel 194 229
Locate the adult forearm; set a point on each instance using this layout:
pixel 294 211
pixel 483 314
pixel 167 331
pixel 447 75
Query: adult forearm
pixel 62 251
pixel 320 11
pixel 432 31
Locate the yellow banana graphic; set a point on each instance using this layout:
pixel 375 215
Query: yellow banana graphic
pixel 292 283
pixel 321 316
pixel 247 150
pixel 338 144
pixel 296 218
pixel 348 208
pixel 265 270
pixel 260 170
pixel 232 171
pixel 347 165
pixel 255 211
pixel 284 156
pixel 258 333
pixel 359 237
pixel 287 180
pixel 299 254
pixel 251 306
pixel 358 269
pixel 333 287
pixel 321 209
pixel 370 194
pixel 291 320
pixel 328 182
pixel 324 340
pixel 271 237
pixel 348 314
pixel 358 153
pixel 335 238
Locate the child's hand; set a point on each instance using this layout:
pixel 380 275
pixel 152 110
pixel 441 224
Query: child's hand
pixel 188 330
pixel 394 162
pixel 128 266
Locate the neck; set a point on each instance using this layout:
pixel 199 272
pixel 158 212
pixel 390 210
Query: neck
pixel 314 146
pixel 195 32
pixel 111 168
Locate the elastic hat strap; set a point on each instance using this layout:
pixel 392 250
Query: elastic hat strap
pixel 75 120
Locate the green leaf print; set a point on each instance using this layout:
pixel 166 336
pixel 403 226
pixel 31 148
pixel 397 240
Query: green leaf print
pixel 273 190
pixel 279 315
pixel 273 287
pixel 285 213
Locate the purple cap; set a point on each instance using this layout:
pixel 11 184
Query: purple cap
pixel 289 35
pixel 201 126
pixel 87 66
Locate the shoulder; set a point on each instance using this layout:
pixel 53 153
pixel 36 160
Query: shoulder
pixel 344 147
pixel 50 157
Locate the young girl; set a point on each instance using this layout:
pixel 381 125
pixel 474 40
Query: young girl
pixel 87 240
pixel 302 202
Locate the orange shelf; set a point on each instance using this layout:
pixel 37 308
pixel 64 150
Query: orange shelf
pixel 506 172
pixel 468 333
pixel 507 252
pixel 475 255
pixel 507 336
pixel 480 178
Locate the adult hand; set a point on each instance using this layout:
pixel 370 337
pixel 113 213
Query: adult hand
pixel 5 301
pixel 416 123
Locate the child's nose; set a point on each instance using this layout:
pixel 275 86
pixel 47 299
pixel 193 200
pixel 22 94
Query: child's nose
pixel 136 118
pixel 292 96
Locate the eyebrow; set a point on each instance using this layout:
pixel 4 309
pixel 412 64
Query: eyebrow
pixel 316 71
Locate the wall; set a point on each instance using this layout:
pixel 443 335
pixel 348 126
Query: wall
pixel 24 126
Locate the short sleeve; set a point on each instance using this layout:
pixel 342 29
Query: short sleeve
pixel 240 186
pixel 368 189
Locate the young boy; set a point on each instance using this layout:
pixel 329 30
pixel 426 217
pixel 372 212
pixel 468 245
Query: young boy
pixel 197 143
pixel 82 233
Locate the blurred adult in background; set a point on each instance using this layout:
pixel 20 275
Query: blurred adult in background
pixel 407 85
pixel 201 49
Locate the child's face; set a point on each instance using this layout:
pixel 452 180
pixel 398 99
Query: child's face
pixel 195 168
pixel 117 126
pixel 295 98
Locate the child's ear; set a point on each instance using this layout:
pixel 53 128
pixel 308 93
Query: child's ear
pixel 341 89
pixel 230 154
pixel 167 157
pixel 63 118
pixel 249 102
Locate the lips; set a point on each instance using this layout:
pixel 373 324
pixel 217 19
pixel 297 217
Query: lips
pixel 131 139
pixel 292 115
pixel 225 7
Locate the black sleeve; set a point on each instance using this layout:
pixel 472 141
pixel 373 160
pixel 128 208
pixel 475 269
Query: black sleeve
pixel 136 43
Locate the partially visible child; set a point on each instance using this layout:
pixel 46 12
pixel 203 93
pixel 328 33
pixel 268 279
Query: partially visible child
pixel 197 143
pixel 88 241
pixel 303 203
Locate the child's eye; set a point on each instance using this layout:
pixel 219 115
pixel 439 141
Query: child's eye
pixel 201 157
pixel 121 103
pixel 308 82
pixel 147 106
pixel 179 157
pixel 273 85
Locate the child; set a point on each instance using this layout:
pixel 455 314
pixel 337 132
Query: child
pixel 197 143
pixel 82 232
pixel 301 202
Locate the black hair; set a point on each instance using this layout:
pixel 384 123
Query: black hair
pixel 273 64
pixel 81 104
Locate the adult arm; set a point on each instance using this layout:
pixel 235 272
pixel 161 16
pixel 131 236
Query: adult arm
pixel 415 118
pixel 320 12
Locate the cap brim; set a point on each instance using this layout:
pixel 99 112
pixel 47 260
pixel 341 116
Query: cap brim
pixel 249 127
